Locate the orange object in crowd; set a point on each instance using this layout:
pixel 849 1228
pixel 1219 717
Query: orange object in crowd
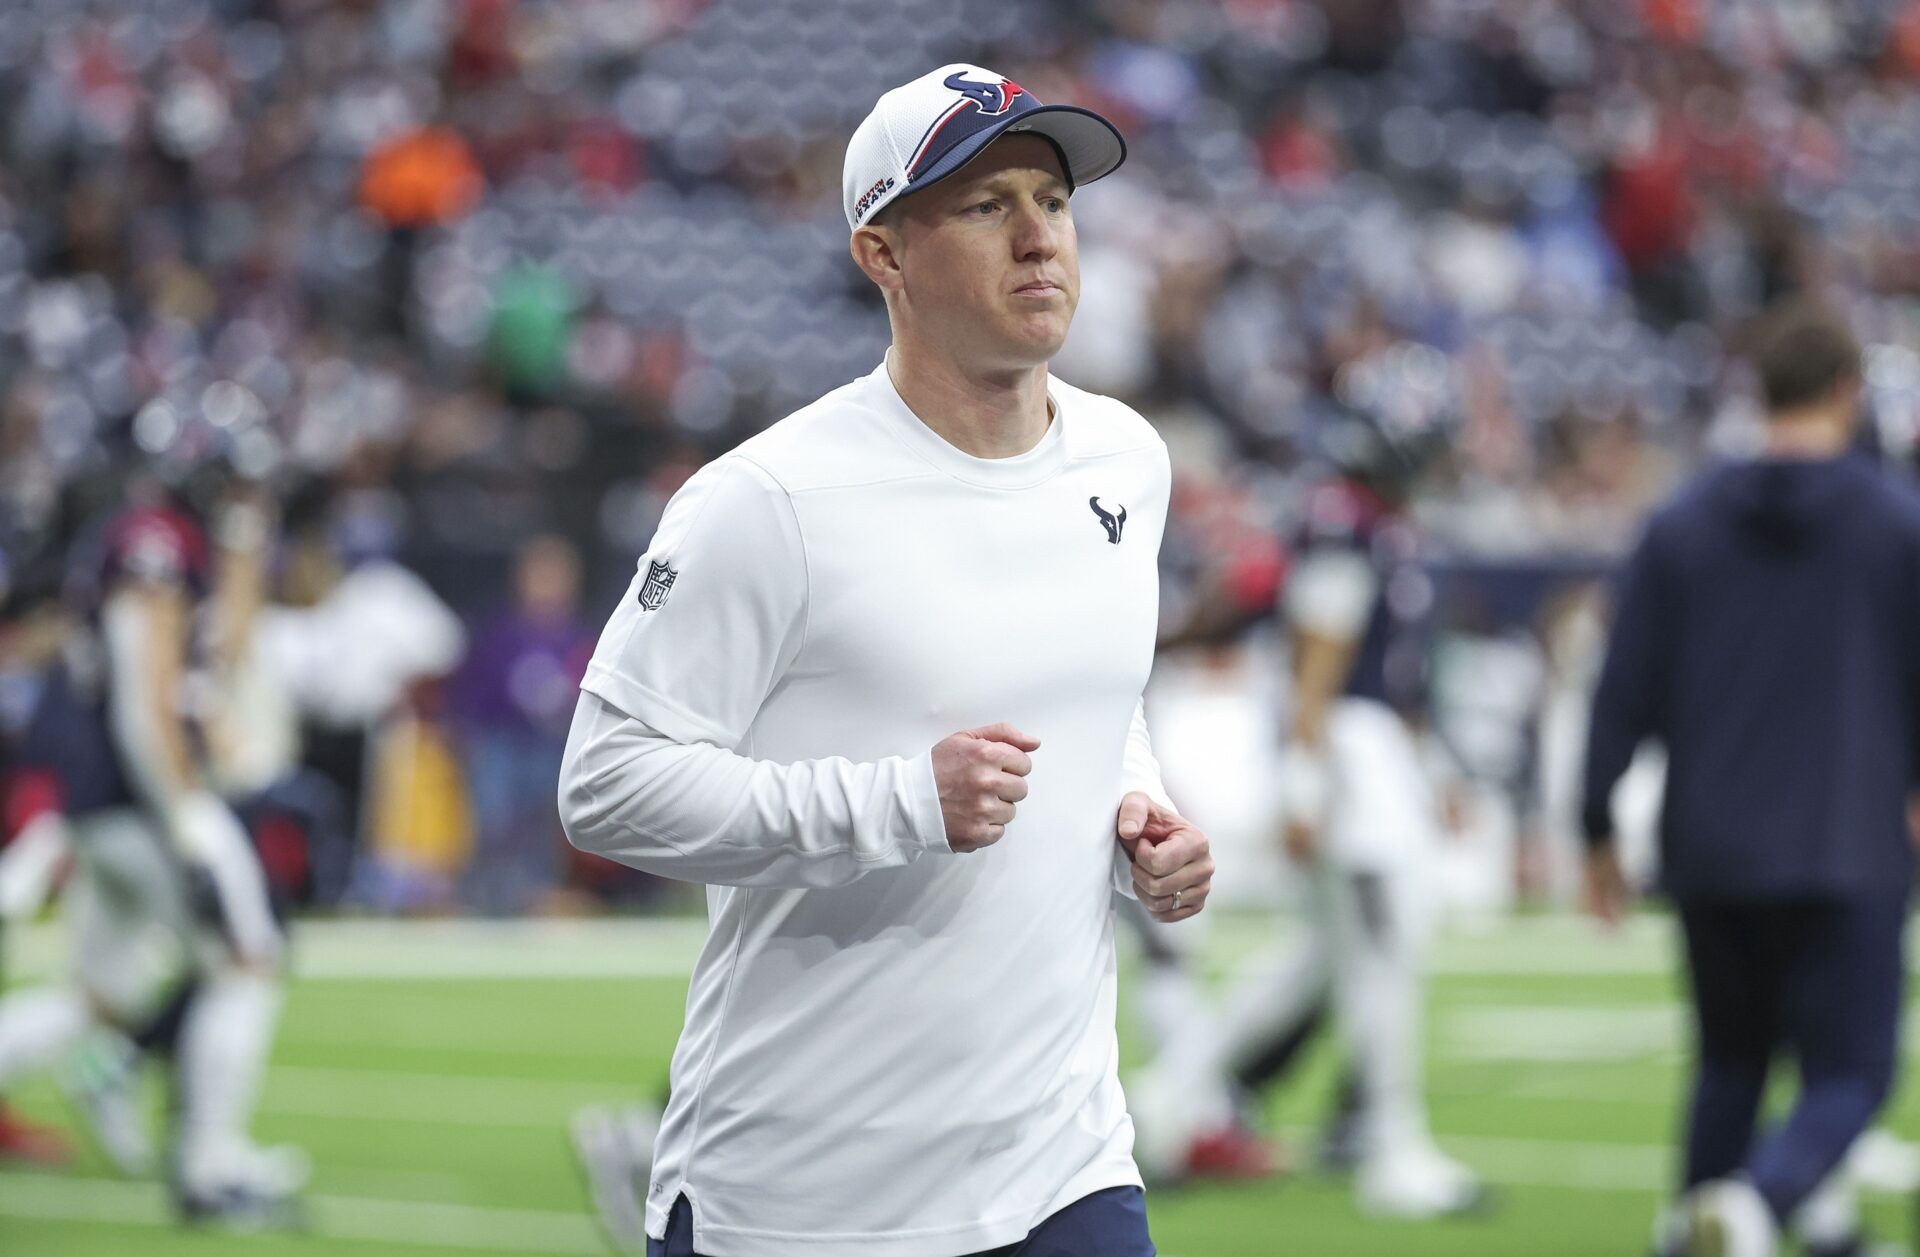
pixel 423 177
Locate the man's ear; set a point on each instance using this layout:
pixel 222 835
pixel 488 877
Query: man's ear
pixel 876 251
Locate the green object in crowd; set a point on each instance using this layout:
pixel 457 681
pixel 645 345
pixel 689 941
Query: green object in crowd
pixel 533 309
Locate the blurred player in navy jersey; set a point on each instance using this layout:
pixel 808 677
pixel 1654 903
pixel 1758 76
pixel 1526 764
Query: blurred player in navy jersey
pixel 176 943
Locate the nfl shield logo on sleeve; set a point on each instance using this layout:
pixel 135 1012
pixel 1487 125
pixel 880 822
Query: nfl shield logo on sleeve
pixel 653 590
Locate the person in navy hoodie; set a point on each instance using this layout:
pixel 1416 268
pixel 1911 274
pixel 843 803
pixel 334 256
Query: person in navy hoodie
pixel 1768 633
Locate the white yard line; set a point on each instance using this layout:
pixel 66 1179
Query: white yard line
pixel 638 947
pixel 57 1198
pixel 445 1099
pixel 1595 1167
pixel 520 1103
pixel 1488 1031
pixel 1574 1034
pixel 372 950
pixel 412 951
pixel 455 1226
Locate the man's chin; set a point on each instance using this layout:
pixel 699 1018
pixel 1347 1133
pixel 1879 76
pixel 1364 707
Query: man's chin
pixel 1038 341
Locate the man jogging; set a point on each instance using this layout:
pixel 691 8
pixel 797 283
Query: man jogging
pixel 900 1036
pixel 1768 633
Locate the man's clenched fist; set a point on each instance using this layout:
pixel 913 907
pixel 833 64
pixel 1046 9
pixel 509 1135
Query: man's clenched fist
pixel 1172 861
pixel 981 774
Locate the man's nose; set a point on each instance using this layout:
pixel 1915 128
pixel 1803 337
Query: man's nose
pixel 1036 235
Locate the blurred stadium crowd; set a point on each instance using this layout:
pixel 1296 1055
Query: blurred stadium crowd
pixel 451 275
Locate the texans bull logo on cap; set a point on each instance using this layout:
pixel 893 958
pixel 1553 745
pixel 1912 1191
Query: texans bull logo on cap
pixel 993 98
pixel 988 100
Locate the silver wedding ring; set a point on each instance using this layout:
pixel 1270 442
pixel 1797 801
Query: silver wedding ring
pixel 1176 901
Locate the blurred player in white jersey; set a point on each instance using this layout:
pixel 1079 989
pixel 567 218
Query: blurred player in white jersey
pixel 1216 708
pixel 1362 826
pixel 175 938
pixel 1359 813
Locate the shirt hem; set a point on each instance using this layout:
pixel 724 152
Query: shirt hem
pixel 727 1241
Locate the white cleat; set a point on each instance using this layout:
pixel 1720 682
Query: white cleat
pixel 1727 1218
pixel 1419 1183
pixel 1882 1161
pixel 1670 1231
pixel 280 1170
pixel 615 1151
pixel 102 1083
pixel 247 1189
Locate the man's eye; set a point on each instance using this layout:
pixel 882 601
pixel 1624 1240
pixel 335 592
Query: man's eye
pixel 1055 205
pixel 986 207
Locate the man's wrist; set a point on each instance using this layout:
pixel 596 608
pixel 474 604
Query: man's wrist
pixel 926 820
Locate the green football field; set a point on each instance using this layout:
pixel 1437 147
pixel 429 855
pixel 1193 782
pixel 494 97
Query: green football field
pixel 430 1070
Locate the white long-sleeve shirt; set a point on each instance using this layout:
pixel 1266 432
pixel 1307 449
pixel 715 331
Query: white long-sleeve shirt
pixel 695 812
pixel 890 1050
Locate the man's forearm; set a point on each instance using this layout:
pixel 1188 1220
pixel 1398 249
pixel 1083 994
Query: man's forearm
pixel 1613 735
pixel 1627 697
pixel 696 812
pixel 144 635
pixel 1140 768
pixel 1320 667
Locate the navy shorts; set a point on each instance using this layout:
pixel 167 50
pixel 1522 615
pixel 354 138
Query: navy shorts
pixel 1110 1223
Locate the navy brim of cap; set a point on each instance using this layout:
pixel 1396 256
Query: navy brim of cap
pixel 1090 145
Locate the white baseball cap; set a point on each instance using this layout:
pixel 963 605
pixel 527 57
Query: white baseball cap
pixel 923 131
